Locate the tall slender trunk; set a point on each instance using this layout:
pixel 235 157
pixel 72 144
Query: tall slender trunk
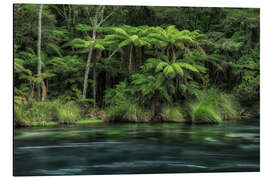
pixel 39 47
pixel 97 21
pixel 94 82
pixel 87 68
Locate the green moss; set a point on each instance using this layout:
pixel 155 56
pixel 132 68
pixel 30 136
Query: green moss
pixel 89 121
pixel 44 123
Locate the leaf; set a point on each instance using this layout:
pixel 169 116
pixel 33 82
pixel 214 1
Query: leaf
pixel 160 66
pixel 120 31
pixel 55 48
pixel 178 69
pixel 188 66
pixel 169 72
pixel 124 43
pixel 99 46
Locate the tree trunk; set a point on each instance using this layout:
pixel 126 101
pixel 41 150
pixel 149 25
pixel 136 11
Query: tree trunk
pixel 131 61
pixel 39 47
pixel 44 90
pixel 153 104
pixel 98 17
pixel 123 60
pixel 94 82
pixel 85 83
pixel 173 54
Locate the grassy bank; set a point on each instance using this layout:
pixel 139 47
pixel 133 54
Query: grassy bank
pixel 50 113
pixel 209 106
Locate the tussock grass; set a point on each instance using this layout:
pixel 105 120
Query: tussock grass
pixel 21 119
pixel 68 113
pixel 172 114
pixel 37 113
pixel 127 112
pixel 204 113
pixel 213 106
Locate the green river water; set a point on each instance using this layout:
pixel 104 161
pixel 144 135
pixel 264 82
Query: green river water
pixel 137 148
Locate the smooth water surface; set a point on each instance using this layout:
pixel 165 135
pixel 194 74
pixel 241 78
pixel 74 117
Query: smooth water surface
pixel 136 148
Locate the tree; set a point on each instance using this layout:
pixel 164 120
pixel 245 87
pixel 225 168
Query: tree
pixel 96 23
pixel 171 39
pixel 129 36
pixel 165 71
pixel 39 47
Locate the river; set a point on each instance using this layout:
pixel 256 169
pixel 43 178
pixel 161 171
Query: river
pixel 137 148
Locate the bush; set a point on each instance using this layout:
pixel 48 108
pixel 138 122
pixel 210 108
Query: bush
pixel 172 114
pixel 127 112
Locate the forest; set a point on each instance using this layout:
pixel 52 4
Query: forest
pixel 81 64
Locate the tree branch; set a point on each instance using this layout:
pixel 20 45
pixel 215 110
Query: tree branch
pixel 104 19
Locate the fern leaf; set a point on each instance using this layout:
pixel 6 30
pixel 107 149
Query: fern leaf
pixel 178 69
pixel 169 72
pixel 160 66
pixel 188 66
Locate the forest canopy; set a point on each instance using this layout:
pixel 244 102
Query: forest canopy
pixel 135 63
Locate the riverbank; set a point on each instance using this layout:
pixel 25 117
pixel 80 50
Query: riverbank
pixel 210 107
pixel 53 123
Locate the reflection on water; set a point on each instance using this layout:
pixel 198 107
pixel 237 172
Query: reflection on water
pixel 136 148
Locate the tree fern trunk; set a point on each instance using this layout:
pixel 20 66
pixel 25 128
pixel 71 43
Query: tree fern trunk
pixel 39 47
pixel 153 104
pixel 131 61
pixel 123 60
pixel 173 54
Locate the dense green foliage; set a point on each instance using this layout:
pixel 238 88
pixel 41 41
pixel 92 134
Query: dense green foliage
pixel 178 64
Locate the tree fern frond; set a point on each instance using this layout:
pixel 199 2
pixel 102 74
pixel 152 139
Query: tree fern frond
pixel 188 66
pixel 178 69
pixel 161 66
pixel 169 72
pixel 55 48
